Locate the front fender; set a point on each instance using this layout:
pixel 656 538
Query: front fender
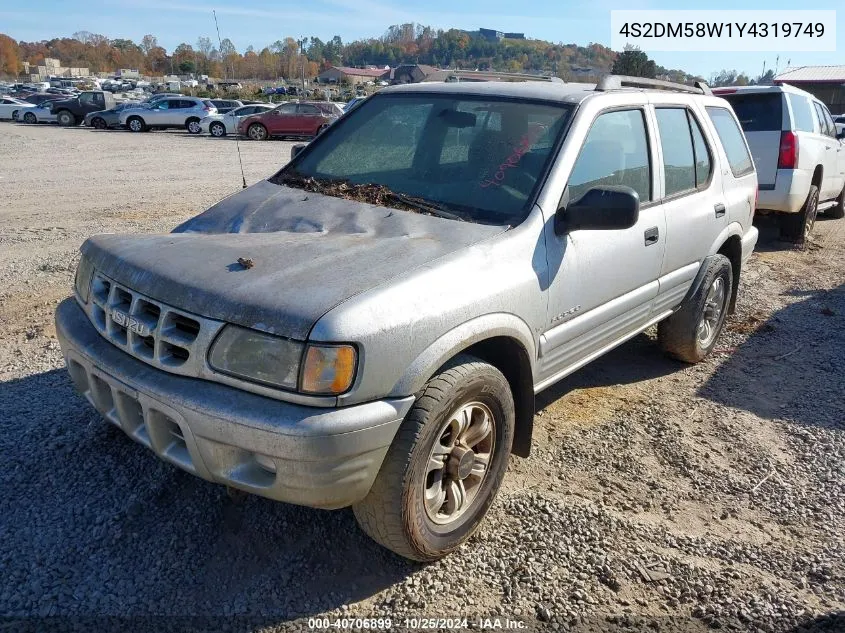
pixel 456 340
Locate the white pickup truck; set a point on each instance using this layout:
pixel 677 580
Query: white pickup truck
pixel 798 152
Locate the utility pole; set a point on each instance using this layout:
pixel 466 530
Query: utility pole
pixel 302 60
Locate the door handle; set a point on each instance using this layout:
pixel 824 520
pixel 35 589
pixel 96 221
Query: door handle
pixel 651 236
pixel 720 210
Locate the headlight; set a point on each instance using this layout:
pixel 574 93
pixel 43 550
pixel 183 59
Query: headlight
pixel 84 272
pixel 278 362
pixel 257 357
pixel 328 369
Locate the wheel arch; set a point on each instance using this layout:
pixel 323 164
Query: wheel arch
pixel 504 341
pixel 818 173
pixel 732 249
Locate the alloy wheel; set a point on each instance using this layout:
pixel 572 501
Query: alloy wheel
pixel 459 462
pixel 714 307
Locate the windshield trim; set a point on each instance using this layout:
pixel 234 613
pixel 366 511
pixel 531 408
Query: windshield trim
pixel 290 168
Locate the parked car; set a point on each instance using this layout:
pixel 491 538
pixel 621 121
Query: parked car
pixel 40 97
pixel 226 105
pixel 379 344
pixel 186 112
pixel 353 103
pixel 108 119
pixel 220 125
pixel 800 158
pixel 305 119
pixel 72 111
pixel 10 107
pixel 42 113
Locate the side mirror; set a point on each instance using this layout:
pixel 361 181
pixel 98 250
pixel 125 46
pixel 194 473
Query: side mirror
pixel 600 208
pixel 296 149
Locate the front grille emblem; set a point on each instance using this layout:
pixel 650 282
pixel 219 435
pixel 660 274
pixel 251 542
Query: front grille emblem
pixel 130 323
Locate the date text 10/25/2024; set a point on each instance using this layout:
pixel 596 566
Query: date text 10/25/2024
pixel 417 624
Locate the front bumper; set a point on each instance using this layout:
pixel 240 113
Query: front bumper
pixel 325 458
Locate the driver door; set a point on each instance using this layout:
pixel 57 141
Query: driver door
pixel 603 282
pixel 282 120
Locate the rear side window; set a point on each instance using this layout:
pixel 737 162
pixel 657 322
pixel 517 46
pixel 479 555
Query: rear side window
pixel 732 140
pixel 802 113
pixel 761 112
pixel 703 160
pixel 678 156
pixel 615 152
pixel 825 122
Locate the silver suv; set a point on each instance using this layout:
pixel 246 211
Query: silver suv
pixel 369 326
pixel 186 112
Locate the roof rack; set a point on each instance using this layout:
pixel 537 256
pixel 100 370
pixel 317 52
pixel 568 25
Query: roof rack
pixel 617 82
pixel 486 75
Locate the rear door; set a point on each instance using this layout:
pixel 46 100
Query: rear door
pixel 693 201
pixel 832 177
pixel 308 119
pixel 761 115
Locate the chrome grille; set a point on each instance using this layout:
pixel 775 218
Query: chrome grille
pixel 149 330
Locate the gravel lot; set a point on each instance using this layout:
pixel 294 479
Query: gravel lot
pixel 659 496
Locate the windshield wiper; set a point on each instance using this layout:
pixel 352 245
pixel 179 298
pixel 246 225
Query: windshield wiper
pixel 424 205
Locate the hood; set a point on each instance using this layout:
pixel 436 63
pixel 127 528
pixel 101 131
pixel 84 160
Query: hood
pixel 310 253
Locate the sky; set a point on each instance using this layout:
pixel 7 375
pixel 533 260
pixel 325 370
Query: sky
pixel 261 22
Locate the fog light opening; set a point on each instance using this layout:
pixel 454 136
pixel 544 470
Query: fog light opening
pixel 265 462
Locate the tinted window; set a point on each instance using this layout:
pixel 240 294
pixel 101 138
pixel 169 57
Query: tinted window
pixel 488 174
pixel 703 159
pixel 307 109
pixel 762 112
pixel 732 140
pixel 289 108
pixel 615 152
pixel 678 156
pixel 802 113
pixel 830 128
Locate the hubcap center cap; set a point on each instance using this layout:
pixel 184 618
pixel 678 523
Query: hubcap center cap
pixel 461 461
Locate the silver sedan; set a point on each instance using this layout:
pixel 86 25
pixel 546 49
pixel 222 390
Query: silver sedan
pixel 222 124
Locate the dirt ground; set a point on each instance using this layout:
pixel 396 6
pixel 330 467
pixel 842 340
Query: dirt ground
pixel 658 494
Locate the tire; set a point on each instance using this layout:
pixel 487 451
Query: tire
pixel 320 130
pixel 99 123
pixel 193 126
pixel 257 132
pixel 136 124
pixel 690 334
pixel 797 227
pixel 14 115
pixel 837 212
pixel 30 118
pixel 65 118
pixel 395 512
pixel 217 129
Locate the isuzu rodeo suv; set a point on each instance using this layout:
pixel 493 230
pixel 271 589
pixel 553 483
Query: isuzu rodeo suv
pixel 369 326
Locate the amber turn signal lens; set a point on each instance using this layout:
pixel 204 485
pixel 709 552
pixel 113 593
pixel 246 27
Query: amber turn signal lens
pixel 328 369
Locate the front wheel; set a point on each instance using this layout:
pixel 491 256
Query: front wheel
pixel 690 334
pixel 837 212
pixel 193 126
pixel 257 132
pixel 217 129
pixel 66 119
pixel 445 465
pixel 99 123
pixel 136 124
pixel 29 117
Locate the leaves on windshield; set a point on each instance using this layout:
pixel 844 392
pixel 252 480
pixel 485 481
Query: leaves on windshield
pixel 367 192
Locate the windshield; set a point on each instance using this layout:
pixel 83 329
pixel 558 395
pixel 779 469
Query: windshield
pixel 475 159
